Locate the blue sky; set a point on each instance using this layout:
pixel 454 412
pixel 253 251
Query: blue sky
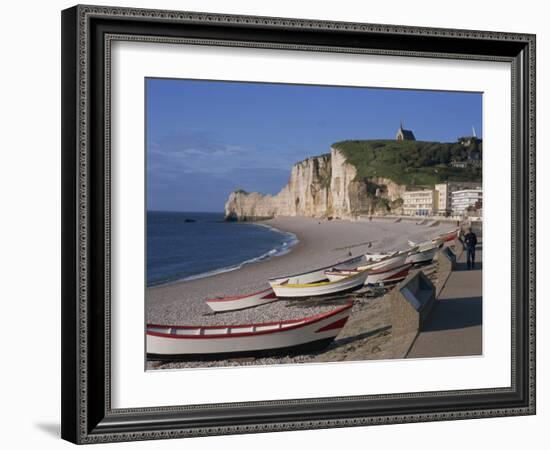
pixel 205 139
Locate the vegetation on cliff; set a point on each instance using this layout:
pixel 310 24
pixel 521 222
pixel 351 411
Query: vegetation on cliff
pixel 411 163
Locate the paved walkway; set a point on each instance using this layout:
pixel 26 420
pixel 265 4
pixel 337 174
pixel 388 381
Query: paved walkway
pixel 454 326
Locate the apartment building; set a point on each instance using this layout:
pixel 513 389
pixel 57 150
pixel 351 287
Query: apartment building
pixel 463 199
pixel 444 193
pixel 419 203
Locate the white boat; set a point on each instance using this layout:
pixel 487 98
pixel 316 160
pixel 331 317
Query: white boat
pixel 427 243
pixel 236 302
pixel 376 257
pixel 320 288
pixel 423 254
pixel 382 262
pixel 317 275
pixel 167 342
pixel 375 276
pixel 436 242
pixel 420 253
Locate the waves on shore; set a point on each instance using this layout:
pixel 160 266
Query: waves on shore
pixel 189 246
pixel 281 250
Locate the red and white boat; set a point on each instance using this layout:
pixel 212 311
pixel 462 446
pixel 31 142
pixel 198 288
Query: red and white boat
pixel 167 342
pixel 438 240
pixel 374 276
pixel 449 236
pixel 391 275
pixel 237 302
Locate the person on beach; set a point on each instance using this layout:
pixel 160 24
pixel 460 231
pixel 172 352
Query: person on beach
pixel 470 241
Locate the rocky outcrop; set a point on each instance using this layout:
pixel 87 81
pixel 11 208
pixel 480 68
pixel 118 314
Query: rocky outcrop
pixel 322 186
pixel 393 191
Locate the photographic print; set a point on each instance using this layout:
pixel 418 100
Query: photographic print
pixel 292 198
pixel 311 224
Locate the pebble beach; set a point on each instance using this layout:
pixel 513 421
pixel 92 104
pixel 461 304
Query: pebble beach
pixel 320 243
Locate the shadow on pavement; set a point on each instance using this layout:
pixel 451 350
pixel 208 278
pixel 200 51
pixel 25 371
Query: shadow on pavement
pixel 461 266
pixel 450 314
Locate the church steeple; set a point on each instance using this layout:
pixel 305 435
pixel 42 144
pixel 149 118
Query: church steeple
pixel 404 135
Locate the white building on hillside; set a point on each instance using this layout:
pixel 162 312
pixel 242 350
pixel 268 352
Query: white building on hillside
pixel 443 199
pixel 444 193
pixel 419 203
pixel 463 199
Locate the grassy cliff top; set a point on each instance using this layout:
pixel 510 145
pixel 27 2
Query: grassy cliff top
pixel 412 163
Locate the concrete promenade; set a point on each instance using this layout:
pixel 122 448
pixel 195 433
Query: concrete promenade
pixel 454 327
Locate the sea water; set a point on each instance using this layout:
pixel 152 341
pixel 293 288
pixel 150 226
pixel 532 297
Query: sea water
pixel 189 245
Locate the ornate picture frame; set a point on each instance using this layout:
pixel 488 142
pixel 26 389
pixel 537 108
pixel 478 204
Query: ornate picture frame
pixel 87 35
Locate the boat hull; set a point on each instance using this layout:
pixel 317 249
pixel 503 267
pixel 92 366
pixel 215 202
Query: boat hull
pixel 242 301
pixel 437 241
pixel 340 286
pixel 386 264
pixel 421 256
pixel 317 275
pixel 180 342
pixel 299 349
pixel 446 237
pixel 376 276
pixel 391 276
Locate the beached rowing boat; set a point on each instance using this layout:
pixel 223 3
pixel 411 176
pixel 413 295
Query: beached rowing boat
pixel 419 254
pixel 241 301
pixel 317 275
pixel 384 262
pixel 424 253
pixel 449 236
pixel 439 240
pixel 376 257
pixel 375 276
pixel 389 276
pixel 320 288
pixel 169 342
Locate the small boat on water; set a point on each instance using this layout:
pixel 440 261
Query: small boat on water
pixel 320 288
pixel 317 275
pixel 177 342
pixel 374 276
pixel 237 302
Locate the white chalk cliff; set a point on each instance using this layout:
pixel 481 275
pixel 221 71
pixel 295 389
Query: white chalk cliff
pixel 322 186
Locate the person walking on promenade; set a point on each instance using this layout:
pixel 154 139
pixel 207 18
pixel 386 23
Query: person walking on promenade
pixel 470 241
